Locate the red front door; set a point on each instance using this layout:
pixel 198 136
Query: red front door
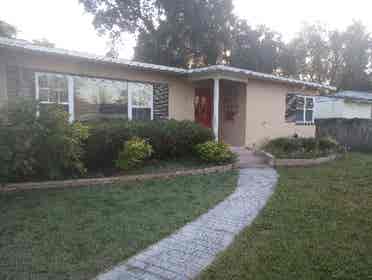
pixel 203 107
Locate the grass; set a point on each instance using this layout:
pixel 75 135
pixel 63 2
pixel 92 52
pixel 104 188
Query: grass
pixel 154 166
pixel 75 234
pixel 165 166
pixel 318 225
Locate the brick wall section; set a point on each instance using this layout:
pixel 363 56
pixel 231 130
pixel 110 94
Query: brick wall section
pixel 20 82
pixel 355 134
pixel 161 101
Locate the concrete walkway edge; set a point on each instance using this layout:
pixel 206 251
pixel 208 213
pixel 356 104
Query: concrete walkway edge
pixel 187 252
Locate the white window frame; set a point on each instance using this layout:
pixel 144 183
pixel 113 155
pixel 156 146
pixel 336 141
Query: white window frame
pixel 70 91
pixel 131 106
pixel 304 109
pixel 71 95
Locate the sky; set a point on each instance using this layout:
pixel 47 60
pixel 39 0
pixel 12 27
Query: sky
pixel 65 23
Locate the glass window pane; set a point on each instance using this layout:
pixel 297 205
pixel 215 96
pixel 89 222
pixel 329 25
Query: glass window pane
pixel 98 98
pixel 309 103
pixel 299 115
pixel 43 81
pixel 300 103
pixel 44 95
pixel 53 88
pixel 141 94
pixel 141 114
pixel 309 115
pixel 53 96
pixel 63 97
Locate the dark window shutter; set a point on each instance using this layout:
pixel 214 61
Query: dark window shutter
pixel 20 82
pixel 291 107
pixel 161 101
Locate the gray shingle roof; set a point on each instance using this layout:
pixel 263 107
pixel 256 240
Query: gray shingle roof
pixel 27 46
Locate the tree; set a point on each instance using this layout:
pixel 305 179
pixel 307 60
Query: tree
pixel 173 32
pixel 7 30
pixel 329 56
pixel 310 53
pixel 255 49
pixel 356 52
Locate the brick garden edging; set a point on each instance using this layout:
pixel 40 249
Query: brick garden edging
pixel 109 180
pixel 286 162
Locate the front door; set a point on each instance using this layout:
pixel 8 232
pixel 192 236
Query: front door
pixel 203 107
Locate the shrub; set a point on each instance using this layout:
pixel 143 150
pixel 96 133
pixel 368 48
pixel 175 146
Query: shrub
pixel 134 153
pixel 213 152
pixel 302 147
pixel 59 145
pixel 169 140
pixel 45 147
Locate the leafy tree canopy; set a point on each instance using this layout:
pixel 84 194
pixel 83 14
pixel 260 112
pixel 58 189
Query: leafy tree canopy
pixel 7 30
pixel 338 58
pixel 196 33
pixel 173 32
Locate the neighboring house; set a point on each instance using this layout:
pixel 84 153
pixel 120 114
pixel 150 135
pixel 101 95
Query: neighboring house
pixel 345 104
pixel 244 108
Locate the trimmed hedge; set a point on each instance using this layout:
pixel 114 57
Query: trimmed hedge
pixel 169 140
pixel 295 148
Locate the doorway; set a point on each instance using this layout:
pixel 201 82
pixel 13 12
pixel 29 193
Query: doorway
pixel 203 107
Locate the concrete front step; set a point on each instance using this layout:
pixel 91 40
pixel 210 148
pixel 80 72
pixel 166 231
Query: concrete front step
pixel 248 159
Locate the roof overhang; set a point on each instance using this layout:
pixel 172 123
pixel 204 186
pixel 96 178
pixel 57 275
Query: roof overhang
pixel 219 71
pixel 222 71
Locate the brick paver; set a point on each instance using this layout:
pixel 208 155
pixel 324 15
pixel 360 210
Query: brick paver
pixel 184 254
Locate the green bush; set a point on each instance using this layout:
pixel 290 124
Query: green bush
pixel 134 153
pixel 169 140
pixel 41 148
pixel 213 152
pixel 302 147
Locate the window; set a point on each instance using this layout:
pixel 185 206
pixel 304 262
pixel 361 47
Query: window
pixel 305 110
pixel 141 101
pixel 52 89
pixel 299 109
pixel 90 98
pixel 97 98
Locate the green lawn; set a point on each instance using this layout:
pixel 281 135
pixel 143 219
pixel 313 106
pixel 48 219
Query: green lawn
pixel 318 225
pixel 74 234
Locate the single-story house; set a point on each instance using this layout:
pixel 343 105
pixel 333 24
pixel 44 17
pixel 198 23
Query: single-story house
pixel 345 104
pixel 244 108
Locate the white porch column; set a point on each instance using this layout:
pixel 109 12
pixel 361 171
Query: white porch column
pixel 216 108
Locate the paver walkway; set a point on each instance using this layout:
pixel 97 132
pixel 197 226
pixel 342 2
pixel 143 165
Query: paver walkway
pixel 247 158
pixel 184 254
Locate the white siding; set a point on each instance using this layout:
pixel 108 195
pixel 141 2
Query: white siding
pixel 357 110
pixel 327 108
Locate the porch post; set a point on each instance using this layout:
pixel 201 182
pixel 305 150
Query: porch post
pixel 216 102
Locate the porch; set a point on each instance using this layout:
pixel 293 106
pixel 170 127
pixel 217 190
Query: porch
pixel 220 104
